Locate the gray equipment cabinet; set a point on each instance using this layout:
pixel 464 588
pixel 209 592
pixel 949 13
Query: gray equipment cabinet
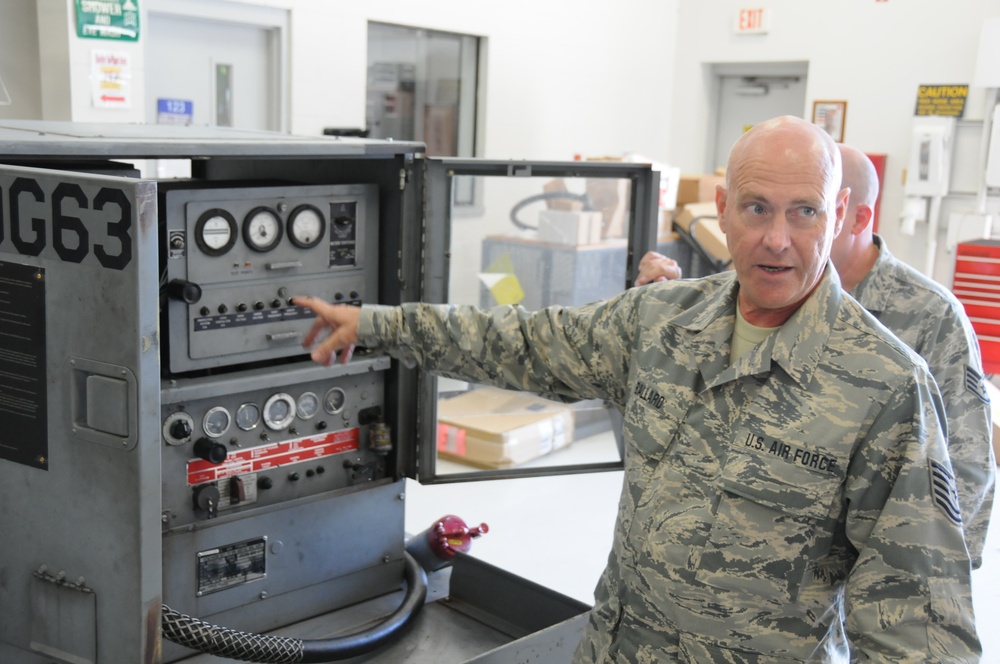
pixel 165 439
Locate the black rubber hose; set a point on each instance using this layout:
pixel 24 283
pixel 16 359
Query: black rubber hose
pixel 199 635
pixel 547 196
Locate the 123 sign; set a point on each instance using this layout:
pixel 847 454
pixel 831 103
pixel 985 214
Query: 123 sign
pixel 72 219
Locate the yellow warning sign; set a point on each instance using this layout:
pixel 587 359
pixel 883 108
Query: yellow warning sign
pixel 946 100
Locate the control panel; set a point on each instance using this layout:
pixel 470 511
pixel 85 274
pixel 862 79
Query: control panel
pixel 257 439
pixel 234 258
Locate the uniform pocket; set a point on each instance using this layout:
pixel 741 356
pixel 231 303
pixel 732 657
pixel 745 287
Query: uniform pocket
pixel 776 507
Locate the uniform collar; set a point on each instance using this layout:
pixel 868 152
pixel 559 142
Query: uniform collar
pixel 800 343
pixel 873 292
pixel 796 347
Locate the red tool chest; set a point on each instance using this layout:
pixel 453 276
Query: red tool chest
pixel 977 286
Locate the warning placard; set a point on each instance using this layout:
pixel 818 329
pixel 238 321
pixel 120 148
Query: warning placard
pixel 945 100
pixel 275 455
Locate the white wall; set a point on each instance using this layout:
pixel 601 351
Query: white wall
pixel 594 78
pixel 20 75
pixel 872 54
pixel 563 76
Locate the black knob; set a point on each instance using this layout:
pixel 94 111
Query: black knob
pixel 258 305
pixel 275 303
pixel 206 498
pixel 180 430
pixel 223 309
pixel 188 291
pixel 242 306
pixel 265 483
pixel 210 450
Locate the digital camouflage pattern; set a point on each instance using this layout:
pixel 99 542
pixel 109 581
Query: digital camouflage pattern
pixel 929 319
pixel 756 495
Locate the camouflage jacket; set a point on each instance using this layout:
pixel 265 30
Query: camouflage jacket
pixel 930 320
pixel 755 494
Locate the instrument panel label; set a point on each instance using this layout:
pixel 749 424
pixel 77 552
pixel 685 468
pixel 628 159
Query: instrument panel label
pixel 275 455
pixel 23 384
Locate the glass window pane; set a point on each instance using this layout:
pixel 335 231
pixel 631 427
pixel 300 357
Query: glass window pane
pixel 540 241
pixel 422 87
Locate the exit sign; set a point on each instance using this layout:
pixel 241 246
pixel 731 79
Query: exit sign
pixel 752 21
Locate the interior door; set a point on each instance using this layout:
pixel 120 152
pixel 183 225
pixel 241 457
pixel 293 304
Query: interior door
pixel 749 94
pixel 550 234
pixel 212 73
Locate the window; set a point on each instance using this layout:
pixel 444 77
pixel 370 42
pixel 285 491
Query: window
pixel 422 86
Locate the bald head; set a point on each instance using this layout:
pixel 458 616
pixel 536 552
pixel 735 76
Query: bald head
pixel 854 251
pixel 780 210
pixel 859 176
pixel 796 138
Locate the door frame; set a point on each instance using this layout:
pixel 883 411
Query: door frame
pixel 273 20
pixel 716 71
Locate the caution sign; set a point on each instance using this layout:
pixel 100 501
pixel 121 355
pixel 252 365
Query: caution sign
pixel 945 100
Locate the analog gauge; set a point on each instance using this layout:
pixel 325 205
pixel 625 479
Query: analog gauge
pixel 216 421
pixel 248 416
pixel 305 226
pixel 215 232
pixel 334 400
pixel 308 406
pixel 262 229
pixel 279 411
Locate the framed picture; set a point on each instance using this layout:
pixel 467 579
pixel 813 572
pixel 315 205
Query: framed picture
pixel 831 116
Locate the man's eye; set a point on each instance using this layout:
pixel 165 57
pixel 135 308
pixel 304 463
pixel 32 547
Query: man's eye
pixel 755 208
pixel 808 212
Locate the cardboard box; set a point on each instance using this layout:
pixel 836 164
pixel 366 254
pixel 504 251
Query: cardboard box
pixel 556 187
pixel 570 228
pixel 493 428
pixel 697 188
pixel 706 230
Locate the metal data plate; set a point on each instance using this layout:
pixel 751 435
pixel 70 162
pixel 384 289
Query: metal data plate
pixel 231 565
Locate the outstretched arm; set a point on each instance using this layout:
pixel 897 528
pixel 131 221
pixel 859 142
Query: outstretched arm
pixel 340 320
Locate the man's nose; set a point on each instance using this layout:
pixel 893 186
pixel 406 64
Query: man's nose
pixel 776 237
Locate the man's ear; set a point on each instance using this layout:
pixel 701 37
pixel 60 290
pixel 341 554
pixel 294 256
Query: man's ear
pixel 841 211
pixel 720 206
pixel 863 217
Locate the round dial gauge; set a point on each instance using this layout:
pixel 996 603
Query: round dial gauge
pixel 308 406
pixel 334 400
pixel 215 232
pixel 216 421
pixel 248 416
pixel 305 226
pixel 262 229
pixel 279 411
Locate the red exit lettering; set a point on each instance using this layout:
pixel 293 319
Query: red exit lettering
pixel 751 20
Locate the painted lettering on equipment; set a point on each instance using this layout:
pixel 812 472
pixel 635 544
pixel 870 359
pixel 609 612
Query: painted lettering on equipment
pixel 40 218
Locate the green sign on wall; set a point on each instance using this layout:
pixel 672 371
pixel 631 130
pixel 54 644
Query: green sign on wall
pixel 108 19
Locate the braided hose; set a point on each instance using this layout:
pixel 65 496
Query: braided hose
pixel 199 635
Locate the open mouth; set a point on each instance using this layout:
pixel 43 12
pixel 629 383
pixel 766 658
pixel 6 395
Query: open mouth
pixel 774 269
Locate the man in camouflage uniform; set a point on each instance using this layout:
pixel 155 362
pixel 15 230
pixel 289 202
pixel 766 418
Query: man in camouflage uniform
pixel 782 448
pixel 925 316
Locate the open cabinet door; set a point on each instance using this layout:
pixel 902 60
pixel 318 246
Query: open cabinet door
pixel 546 233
